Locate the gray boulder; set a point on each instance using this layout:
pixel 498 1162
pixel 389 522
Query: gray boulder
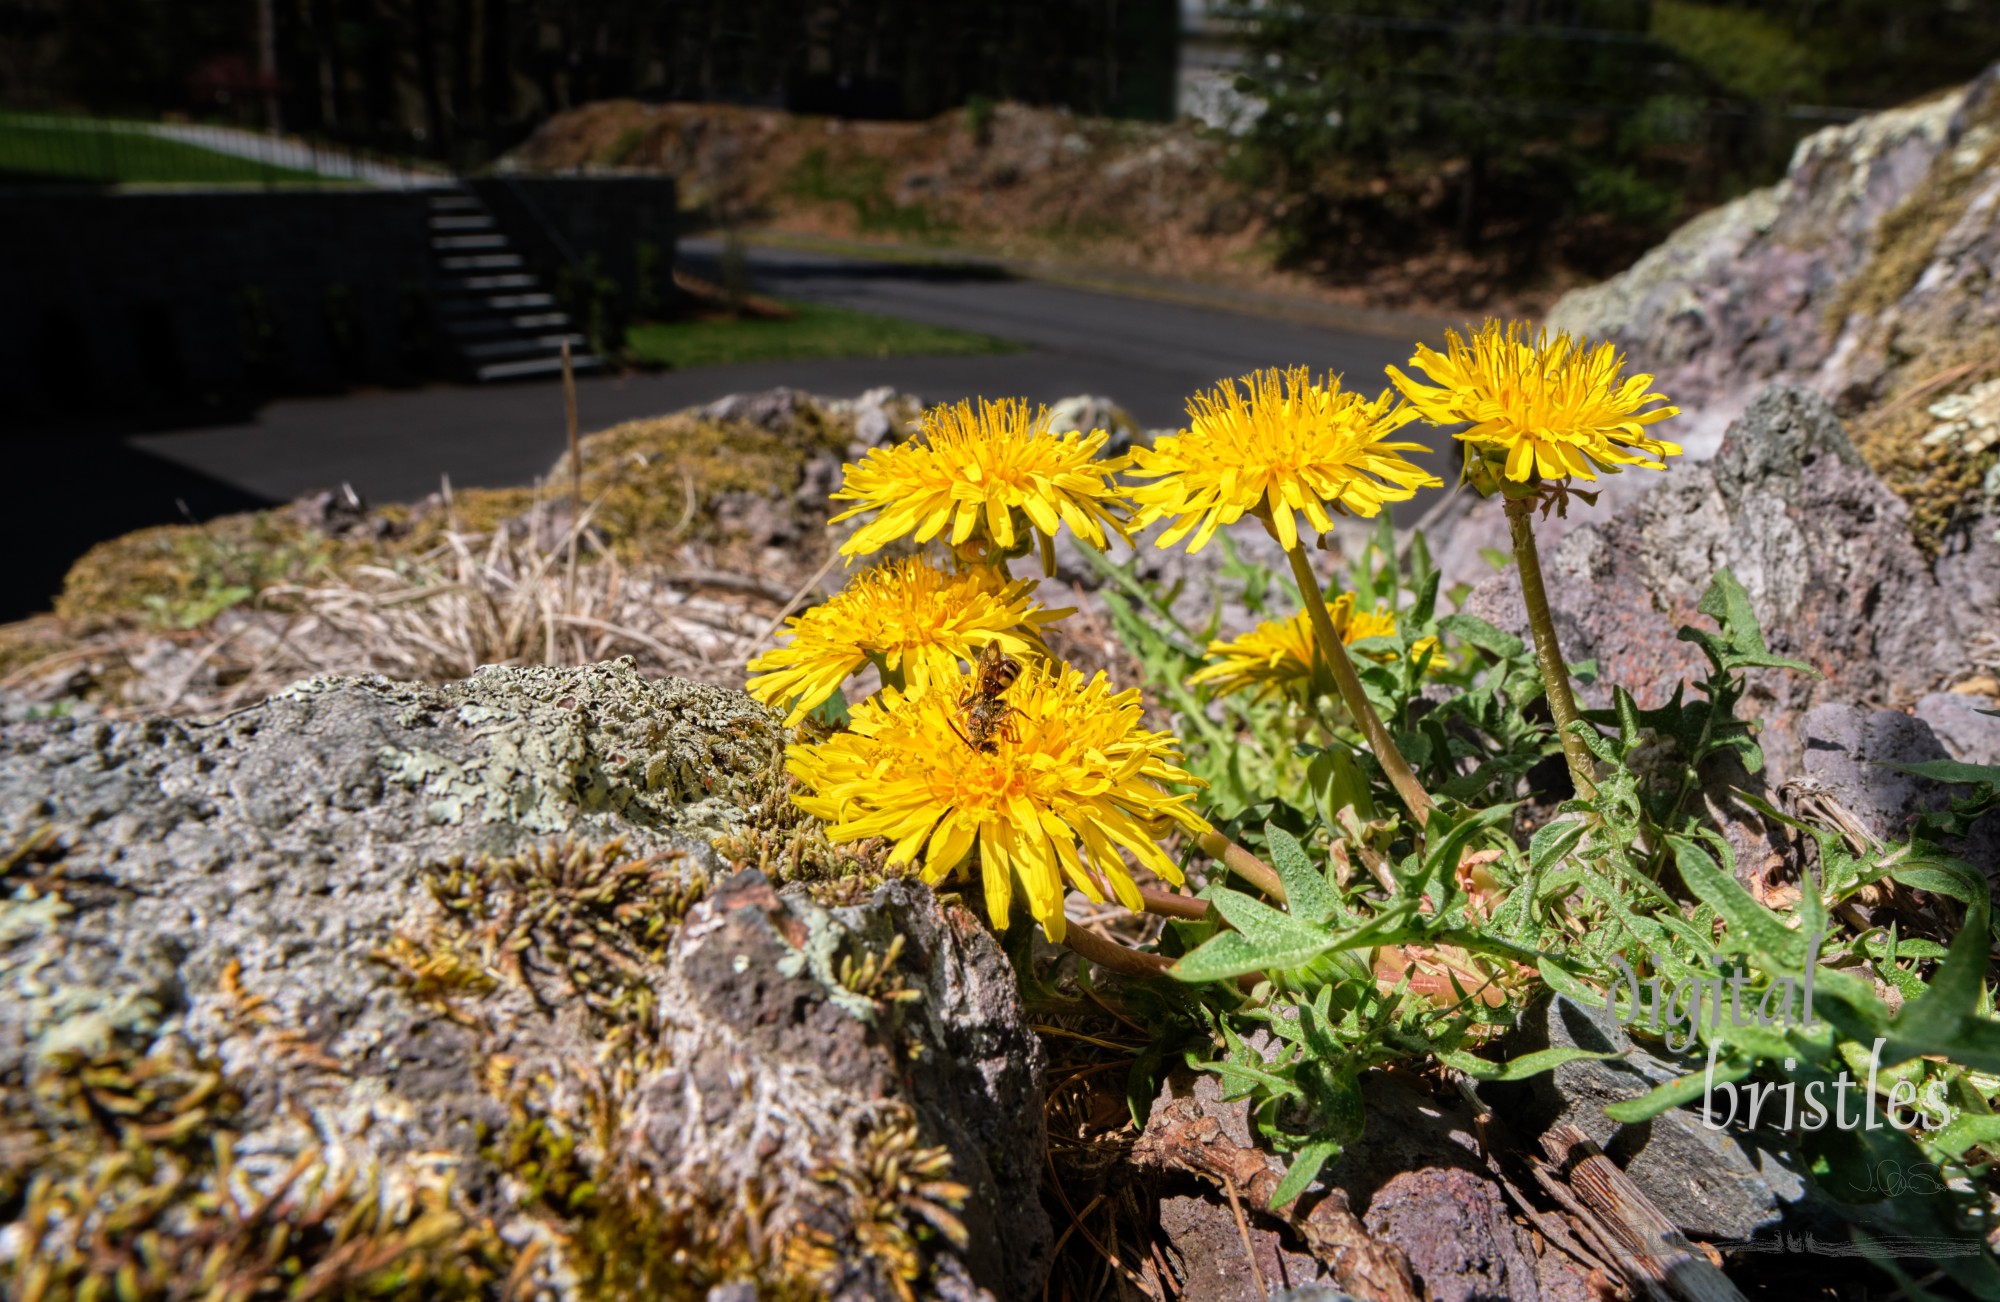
pixel 459 966
pixel 1852 754
pixel 1821 546
pixel 1711 1183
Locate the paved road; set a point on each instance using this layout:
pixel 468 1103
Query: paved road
pixel 1147 355
pixel 395 446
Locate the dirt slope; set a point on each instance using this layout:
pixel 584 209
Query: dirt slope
pixel 1018 181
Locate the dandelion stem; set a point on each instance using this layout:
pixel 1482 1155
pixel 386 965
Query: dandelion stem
pixel 1112 956
pixel 1548 653
pixel 1244 864
pixel 1414 797
pixel 1169 905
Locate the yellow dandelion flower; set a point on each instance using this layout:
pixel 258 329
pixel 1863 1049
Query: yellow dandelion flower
pixel 1286 445
pixel 1277 656
pixel 1071 780
pixel 1550 408
pixel 915 620
pixel 996 474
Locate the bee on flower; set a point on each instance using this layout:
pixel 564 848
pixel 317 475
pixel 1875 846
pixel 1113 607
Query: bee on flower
pixel 1070 785
pixel 914 621
pixel 989 480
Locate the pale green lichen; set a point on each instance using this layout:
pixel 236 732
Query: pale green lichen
pixel 553 744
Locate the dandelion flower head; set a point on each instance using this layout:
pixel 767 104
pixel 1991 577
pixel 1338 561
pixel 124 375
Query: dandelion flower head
pixel 914 619
pixel 1071 781
pixel 971 470
pixel 1277 655
pixel 1283 443
pixel 1545 408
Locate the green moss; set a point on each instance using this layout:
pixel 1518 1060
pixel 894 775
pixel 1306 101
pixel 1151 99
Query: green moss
pixel 1907 237
pixel 132 1191
pixel 652 484
pixel 591 917
pixel 788 845
pixel 182 576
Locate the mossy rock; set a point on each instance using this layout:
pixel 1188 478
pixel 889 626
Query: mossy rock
pixel 440 970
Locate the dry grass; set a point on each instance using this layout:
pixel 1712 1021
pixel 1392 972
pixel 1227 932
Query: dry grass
pixel 498 597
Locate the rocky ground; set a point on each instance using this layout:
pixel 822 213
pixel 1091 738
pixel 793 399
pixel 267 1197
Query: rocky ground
pixel 533 980
pixel 389 887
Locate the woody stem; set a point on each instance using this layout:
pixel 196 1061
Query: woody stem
pixel 1414 797
pixel 1112 956
pixel 1548 653
pixel 1244 864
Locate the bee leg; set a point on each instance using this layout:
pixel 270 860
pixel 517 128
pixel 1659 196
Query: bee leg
pixel 961 736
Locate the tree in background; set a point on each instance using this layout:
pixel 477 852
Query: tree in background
pixel 466 79
pixel 1497 126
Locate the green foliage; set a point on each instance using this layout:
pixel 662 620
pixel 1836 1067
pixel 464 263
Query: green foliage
pixel 1388 124
pixel 1750 54
pixel 1388 946
pixel 861 182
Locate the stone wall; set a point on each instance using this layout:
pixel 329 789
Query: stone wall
pixel 191 305
pixel 193 302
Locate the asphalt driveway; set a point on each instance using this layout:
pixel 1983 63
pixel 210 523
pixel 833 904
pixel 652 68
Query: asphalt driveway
pixel 1145 353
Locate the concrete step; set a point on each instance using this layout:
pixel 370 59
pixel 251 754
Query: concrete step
pixel 482 262
pixel 504 301
pixel 476 304
pixel 504 349
pixel 491 240
pixel 475 327
pixel 455 201
pixel 477 284
pixel 462 222
pixel 538 366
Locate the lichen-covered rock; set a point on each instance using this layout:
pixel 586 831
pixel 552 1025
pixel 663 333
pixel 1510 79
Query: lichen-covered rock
pixel 1739 297
pixel 1868 275
pixel 458 968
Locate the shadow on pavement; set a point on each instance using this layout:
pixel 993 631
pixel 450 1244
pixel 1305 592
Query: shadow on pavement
pixel 74 491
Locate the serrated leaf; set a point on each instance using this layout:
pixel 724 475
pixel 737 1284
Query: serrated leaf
pixel 1564 982
pixel 1477 632
pixel 1941 878
pixel 1741 645
pixel 1307 896
pixel 1966 1132
pixel 1440 864
pixel 1232 954
pixel 1552 841
pixel 1425 605
pixel 1673 1093
pixel 1264 926
pixel 1242 1080
pixel 1946 1020
pixel 1752 926
pixel 1304 1170
pixel 1521 1068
